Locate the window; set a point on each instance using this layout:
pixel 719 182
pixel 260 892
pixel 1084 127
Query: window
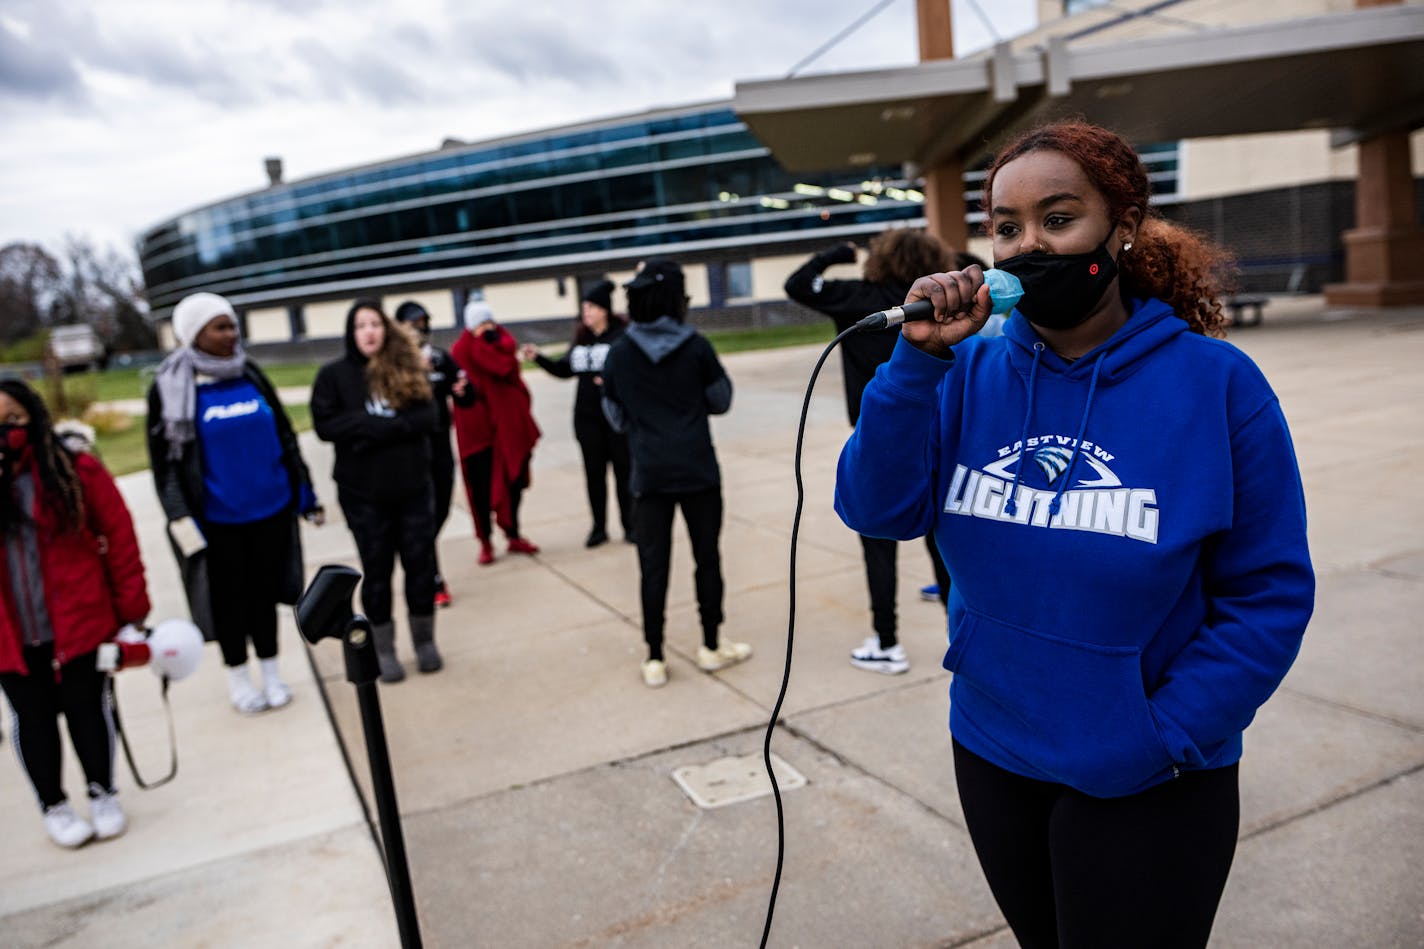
pixel 739 280
pixel 1071 7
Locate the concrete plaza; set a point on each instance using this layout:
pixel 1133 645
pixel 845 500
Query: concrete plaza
pixel 535 771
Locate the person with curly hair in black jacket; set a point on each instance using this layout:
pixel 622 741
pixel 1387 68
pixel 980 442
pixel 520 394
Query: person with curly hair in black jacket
pixel 374 404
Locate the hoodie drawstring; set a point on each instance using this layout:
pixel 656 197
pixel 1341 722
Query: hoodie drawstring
pixel 1077 442
pixel 1012 507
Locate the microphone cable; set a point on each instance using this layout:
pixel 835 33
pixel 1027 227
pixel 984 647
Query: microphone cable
pixel 791 635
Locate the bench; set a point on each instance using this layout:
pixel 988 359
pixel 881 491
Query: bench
pixel 1238 306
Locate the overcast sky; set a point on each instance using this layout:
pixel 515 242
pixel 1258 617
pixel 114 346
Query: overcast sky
pixel 118 114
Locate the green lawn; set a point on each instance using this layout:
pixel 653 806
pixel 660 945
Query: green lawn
pixel 114 384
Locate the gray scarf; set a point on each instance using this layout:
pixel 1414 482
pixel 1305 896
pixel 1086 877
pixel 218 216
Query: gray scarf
pixel 178 390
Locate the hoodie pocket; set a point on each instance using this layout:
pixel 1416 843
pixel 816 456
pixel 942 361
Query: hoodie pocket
pixel 1071 712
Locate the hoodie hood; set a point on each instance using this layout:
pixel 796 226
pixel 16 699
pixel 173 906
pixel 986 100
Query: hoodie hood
pixel 352 353
pixel 660 338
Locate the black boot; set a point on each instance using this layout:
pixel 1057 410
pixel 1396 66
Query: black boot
pixel 384 636
pixel 422 633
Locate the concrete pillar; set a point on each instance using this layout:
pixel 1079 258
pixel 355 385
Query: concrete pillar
pixel 1384 253
pixel 944 183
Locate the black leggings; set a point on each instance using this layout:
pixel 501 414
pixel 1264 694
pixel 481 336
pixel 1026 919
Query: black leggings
pixel 1069 870
pixel 601 447
pixel 442 477
pixel 702 512
pixel 479 478
pixel 880 575
pixel 81 694
pixel 245 564
pixel 382 529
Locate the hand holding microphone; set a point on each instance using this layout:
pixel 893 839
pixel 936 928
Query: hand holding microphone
pixel 945 308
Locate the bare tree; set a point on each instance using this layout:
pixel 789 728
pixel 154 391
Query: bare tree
pixel 104 289
pixel 30 283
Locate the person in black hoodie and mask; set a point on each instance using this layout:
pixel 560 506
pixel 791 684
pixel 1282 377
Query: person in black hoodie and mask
pixel 446 382
pixel 896 258
pixel 661 381
pixel 374 404
pixel 598 328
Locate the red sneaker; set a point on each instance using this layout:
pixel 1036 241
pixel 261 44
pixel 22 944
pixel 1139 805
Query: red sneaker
pixel 519 545
pixel 442 598
pixel 486 553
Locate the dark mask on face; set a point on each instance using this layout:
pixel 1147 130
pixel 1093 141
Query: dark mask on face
pixel 1061 290
pixel 13 441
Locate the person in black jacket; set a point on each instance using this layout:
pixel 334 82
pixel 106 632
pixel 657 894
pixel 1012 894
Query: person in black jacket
pixel 597 330
pixel 446 382
pixel 897 257
pixel 661 381
pixel 231 482
pixel 374 405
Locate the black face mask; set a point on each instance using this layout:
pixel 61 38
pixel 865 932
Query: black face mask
pixel 1061 290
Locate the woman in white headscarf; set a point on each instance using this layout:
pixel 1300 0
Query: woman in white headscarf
pixel 232 482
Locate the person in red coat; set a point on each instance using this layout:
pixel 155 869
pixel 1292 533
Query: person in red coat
pixel 70 578
pixel 495 434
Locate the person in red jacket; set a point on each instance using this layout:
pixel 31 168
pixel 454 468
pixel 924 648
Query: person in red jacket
pixel 70 578
pixel 496 434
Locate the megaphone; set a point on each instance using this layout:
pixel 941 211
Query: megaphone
pixel 172 649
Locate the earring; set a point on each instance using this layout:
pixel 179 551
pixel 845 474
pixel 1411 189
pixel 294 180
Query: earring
pixel 1127 246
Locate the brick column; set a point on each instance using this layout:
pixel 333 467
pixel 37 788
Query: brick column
pixel 944 183
pixel 1384 253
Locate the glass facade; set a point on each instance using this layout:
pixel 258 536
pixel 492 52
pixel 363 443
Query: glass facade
pixel 690 182
pixel 687 182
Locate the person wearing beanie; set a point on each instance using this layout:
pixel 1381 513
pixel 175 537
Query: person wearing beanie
pixel 661 381
pixel 373 404
pixel 72 576
pixel 497 432
pixel 447 382
pixel 595 330
pixel 232 484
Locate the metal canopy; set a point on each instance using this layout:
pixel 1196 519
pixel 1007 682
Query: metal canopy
pixel 1361 72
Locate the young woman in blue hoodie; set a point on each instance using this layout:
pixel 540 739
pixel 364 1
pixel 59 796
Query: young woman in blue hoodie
pixel 1117 499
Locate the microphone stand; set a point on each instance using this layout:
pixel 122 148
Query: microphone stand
pixel 362 671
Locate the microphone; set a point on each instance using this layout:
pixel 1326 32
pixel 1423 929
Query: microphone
pixel 1005 291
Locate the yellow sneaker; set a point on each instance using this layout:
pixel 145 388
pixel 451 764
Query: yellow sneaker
pixel 727 653
pixel 655 673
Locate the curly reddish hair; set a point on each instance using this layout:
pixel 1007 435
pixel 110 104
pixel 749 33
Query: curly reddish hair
pixel 1167 261
pixel 901 256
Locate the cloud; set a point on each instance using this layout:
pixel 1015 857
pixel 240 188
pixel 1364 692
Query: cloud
pixel 34 69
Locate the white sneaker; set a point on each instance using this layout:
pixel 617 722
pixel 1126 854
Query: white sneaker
pixel 106 813
pixel 726 654
pixel 655 673
pixel 277 693
pixel 65 827
pixel 245 696
pixel 869 655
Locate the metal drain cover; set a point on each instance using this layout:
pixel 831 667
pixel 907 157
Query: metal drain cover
pixel 733 780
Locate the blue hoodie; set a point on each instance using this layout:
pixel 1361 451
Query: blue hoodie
pixel 1147 588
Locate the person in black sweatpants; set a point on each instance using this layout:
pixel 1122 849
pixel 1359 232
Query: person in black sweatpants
pixel 896 258
pixel 661 381
pixel 447 382
pixel 598 329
